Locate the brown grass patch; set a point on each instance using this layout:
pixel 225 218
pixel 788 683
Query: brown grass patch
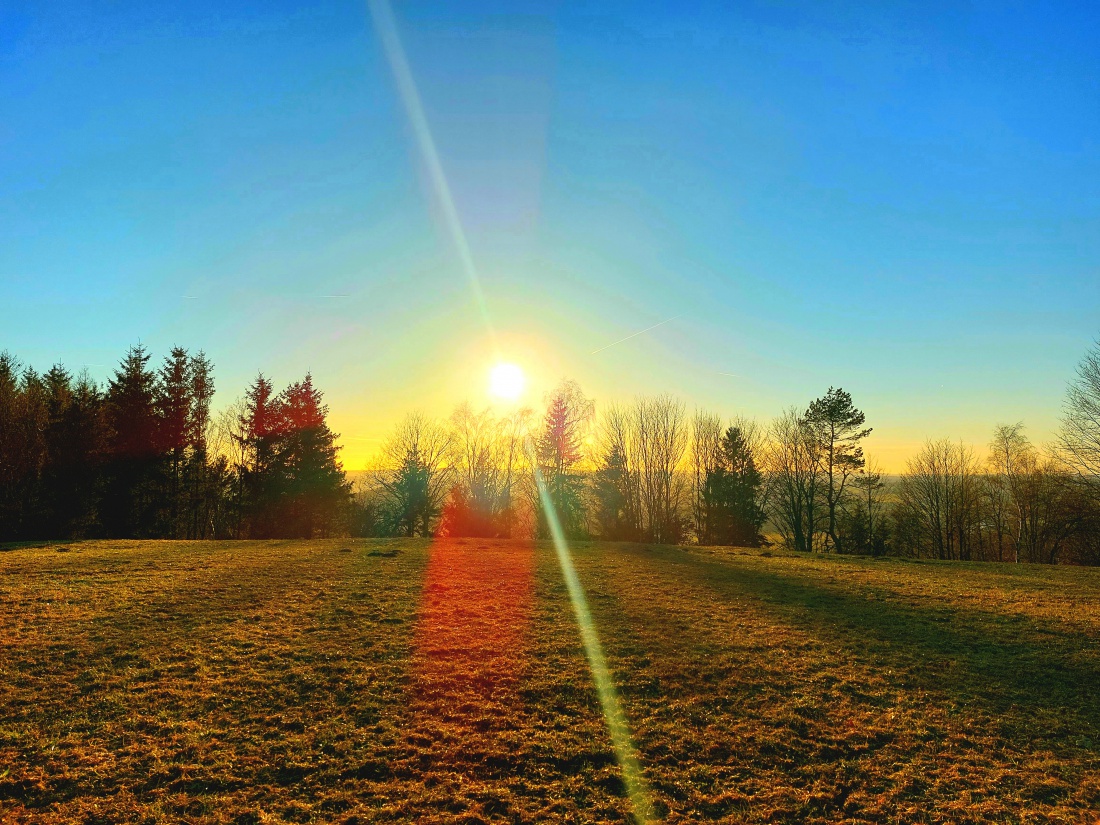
pixel 400 681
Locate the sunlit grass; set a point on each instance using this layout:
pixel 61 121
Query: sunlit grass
pixel 297 681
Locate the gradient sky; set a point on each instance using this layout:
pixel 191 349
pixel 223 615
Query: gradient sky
pixel 900 199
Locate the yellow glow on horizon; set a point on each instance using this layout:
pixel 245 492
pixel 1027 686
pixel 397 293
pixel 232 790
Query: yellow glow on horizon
pixel 506 381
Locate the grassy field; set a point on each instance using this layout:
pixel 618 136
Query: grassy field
pixel 397 681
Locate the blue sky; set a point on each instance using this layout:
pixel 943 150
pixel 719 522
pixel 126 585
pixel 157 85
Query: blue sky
pixel 900 199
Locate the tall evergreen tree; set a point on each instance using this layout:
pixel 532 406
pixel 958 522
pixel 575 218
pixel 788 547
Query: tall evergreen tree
pixel 313 491
pixel 173 406
pixel 610 491
pixel 9 444
pixel 559 450
pixel 134 476
pixel 732 514
pixel 258 484
pixel 201 481
pixel 412 511
pixel 29 457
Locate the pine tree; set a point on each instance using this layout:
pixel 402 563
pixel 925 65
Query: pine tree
pixel 174 413
pixel 732 513
pixel 407 490
pixel 559 450
pixel 610 493
pixel 313 491
pixel 257 492
pixel 837 427
pixel 29 425
pixel 9 399
pixel 202 482
pixel 134 473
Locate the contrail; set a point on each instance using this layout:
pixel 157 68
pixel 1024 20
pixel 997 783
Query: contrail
pixel 730 374
pixel 384 20
pixel 635 335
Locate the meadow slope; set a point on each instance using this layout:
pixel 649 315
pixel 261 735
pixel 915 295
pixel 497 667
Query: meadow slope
pixel 396 681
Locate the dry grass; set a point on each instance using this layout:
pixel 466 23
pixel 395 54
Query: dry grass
pixel 403 681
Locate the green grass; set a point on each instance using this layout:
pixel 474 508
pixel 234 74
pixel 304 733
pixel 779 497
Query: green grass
pixel 397 681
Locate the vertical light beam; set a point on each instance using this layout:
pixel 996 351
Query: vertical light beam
pixel 617 726
pixel 386 24
pixel 614 717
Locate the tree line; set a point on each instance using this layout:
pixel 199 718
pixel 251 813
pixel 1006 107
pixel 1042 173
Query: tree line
pixel 649 471
pixel 144 457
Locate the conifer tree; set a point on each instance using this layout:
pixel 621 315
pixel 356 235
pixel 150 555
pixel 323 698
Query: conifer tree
pixel 174 418
pixel 257 483
pixel 201 480
pixel 559 449
pixel 312 489
pixel 609 489
pixel 837 427
pixel 134 472
pixel 732 514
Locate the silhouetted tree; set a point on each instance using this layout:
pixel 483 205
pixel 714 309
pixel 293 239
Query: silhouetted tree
pixel 939 510
pixel 862 523
pixel 173 406
pixel 732 514
pixel 412 510
pixel 258 481
pixel 838 428
pixel 313 493
pixel 134 475
pixel 706 440
pixel 9 445
pixel 659 440
pixel 1080 433
pixel 204 482
pixel 610 493
pixel 485 452
pixel 417 476
pixel 75 447
pixel 558 450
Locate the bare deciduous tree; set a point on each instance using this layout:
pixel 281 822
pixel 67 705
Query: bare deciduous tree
pixel 417 473
pixel 706 440
pixel 940 502
pixel 1080 433
pixel 661 438
pixel 486 458
pixel 793 471
pixel 1032 498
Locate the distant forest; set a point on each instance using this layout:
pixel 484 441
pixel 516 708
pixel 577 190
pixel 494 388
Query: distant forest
pixel 144 457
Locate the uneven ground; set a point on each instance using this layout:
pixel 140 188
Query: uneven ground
pixel 398 681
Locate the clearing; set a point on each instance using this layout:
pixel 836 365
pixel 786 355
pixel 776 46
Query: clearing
pixel 393 681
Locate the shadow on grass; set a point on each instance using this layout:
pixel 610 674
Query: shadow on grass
pixel 1014 665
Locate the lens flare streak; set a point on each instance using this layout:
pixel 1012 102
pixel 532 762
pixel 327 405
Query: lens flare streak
pixel 384 21
pixel 617 725
pixel 614 717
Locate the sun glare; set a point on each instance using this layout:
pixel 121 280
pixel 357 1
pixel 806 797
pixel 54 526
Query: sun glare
pixel 506 381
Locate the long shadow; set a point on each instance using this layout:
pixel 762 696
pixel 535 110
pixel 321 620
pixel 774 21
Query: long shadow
pixel 1012 665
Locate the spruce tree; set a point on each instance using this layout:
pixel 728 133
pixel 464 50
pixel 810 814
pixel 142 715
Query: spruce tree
pixel 134 476
pixel 609 491
pixel 257 490
pixel 731 492
pixel 174 414
pixel 312 489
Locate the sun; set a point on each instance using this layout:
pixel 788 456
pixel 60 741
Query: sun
pixel 506 381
